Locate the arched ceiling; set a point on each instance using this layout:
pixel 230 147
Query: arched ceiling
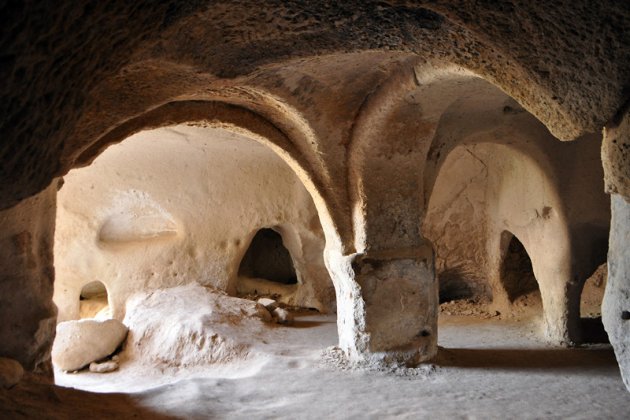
pixel 73 73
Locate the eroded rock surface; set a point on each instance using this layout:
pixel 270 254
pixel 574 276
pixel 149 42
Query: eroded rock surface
pixel 616 305
pixel 183 211
pixel 79 343
pixel 191 325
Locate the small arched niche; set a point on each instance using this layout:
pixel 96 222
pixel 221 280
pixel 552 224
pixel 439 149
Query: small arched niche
pixel 93 301
pixel 517 273
pixel 267 260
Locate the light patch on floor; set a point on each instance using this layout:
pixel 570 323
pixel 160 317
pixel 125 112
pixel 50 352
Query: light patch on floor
pixel 487 368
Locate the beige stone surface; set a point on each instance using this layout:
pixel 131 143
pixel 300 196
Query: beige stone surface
pixel 354 97
pixel 190 326
pixel 78 343
pixel 185 211
pixel 104 367
pixel 486 368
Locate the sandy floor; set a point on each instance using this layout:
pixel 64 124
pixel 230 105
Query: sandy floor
pixel 488 368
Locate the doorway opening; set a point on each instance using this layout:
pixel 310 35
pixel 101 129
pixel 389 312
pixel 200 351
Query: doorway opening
pixel 267 258
pixel 517 273
pixel 93 301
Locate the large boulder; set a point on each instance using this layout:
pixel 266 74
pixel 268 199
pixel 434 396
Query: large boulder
pixel 79 343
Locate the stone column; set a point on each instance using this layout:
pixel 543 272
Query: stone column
pixel 616 305
pixel 387 306
pixel 27 313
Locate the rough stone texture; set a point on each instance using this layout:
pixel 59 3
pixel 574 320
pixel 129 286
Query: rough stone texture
pixel 11 372
pixel 228 43
pixel 80 343
pixel 307 78
pixel 487 190
pixel 26 281
pixel 616 155
pixel 389 316
pixel 616 305
pixel 191 325
pixel 573 43
pixel 184 211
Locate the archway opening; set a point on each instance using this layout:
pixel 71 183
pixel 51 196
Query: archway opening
pixel 485 274
pixel 93 301
pixel 517 274
pixel 267 258
pixel 168 219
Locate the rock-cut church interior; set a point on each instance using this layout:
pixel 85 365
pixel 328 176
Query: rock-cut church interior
pixel 315 209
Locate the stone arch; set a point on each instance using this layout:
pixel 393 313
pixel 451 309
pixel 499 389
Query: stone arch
pixel 310 285
pixel 240 120
pixel 523 196
pixel 517 273
pixel 569 93
pixel 93 300
pixel 268 258
pixel 306 237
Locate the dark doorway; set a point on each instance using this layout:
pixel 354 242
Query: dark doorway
pixel 267 258
pixel 517 273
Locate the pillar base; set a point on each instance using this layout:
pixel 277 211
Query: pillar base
pixel 387 306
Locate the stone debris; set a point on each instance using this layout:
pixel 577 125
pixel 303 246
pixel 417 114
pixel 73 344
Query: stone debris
pixel 192 325
pixel 104 367
pixel 11 372
pixel 282 316
pixel 270 304
pixel 79 343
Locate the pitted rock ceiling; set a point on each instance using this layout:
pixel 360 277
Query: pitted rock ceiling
pixel 63 65
pixel 353 96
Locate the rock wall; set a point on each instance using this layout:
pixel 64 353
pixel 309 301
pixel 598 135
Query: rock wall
pixel 616 305
pixel 316 77
pixel 456 224
pixel 177 205
pixel 491 187
pixel 26 281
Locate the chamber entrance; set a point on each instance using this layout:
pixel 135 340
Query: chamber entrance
pixel 267 258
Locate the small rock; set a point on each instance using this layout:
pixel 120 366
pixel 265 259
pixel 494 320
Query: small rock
pixel 270 304
pixel 104 367
pixel 11 372
pixel 256 310
pixel 282 316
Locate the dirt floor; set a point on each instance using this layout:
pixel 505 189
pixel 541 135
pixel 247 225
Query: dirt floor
pixel 488 367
